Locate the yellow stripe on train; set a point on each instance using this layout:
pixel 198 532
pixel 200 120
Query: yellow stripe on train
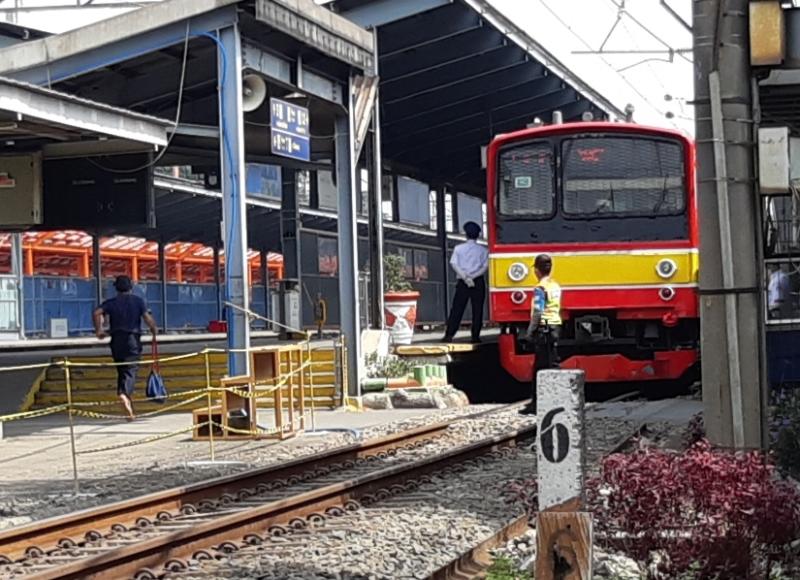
pixel 599 268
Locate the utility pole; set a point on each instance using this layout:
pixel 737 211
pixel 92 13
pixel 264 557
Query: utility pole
pixel 727 202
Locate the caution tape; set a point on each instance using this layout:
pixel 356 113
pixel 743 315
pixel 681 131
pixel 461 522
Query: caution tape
pixel 30 367
pixel 33 414
pixel 143 441
pixel 263 432
pixel 96 415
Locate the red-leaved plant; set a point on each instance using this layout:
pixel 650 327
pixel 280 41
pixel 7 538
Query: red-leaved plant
pixel 718 515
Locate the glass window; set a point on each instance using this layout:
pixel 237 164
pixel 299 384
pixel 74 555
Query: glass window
pixel 448 212
pixel 326 190
pixel 432 210
pixel 421 265
pixel 413 201
pixel 614 176
pixel 469 210
pixel 387 197
pixel 303 188
pixel 408 257
pixel 783 289
pixel 328 251
pixel 526 180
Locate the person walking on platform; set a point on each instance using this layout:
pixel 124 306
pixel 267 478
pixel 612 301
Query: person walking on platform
pixel 470 261
pixel 125 313
pixel 545 325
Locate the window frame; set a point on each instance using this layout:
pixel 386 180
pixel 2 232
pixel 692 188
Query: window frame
pixel 567 215
pixel 554 153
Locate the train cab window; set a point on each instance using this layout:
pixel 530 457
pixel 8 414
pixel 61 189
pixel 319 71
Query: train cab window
pixel 526 181
pixel 619 176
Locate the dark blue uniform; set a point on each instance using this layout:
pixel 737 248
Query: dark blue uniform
pixel 125 313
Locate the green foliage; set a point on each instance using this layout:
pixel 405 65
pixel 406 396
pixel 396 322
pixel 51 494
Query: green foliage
pixel 503 569
pixel 784 426
pixel 389 367
pixel 394 274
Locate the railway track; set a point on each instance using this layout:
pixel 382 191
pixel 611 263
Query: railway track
pixel 176 533
pixel 69 546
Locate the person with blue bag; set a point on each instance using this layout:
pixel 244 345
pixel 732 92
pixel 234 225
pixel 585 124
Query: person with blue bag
pixel 125 313
pixel 545 326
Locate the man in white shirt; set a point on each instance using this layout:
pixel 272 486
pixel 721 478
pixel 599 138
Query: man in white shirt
pixel 470 262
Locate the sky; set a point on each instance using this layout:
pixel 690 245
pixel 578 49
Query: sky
pixel 657 84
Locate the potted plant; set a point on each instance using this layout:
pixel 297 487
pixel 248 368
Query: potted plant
pixel 400 300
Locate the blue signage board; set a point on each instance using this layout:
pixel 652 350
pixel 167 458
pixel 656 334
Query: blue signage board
pixel 264 181
pixel 290 130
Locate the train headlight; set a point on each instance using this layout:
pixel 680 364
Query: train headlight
pixel 666 268
pixel 667 293
pixel 517 272
pixel 518 297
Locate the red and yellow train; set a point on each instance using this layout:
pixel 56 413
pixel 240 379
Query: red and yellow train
pixel 614 205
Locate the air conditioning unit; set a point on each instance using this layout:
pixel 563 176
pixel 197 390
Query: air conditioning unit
pixel 778 160
pixel 21 190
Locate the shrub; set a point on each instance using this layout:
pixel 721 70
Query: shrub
pixel 723 513
pixel 394 274
pixel 701 514
pixel 784 429
pixel 387 367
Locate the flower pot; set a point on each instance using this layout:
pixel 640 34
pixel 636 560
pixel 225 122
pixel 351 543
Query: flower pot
pixel 400 311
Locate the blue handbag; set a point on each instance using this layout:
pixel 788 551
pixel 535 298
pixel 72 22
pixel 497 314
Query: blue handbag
pixel 156 390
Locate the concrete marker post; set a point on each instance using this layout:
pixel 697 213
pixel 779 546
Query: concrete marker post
pixel 564 538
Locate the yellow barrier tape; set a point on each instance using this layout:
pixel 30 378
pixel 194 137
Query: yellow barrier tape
pixel 273 431
pixel 33 414
pixel 96 415
pixel 106 403
pixel 142 362
pixel 30 367
pixel 151 439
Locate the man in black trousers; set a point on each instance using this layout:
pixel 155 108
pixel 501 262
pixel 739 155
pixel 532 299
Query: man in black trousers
pixel 470 261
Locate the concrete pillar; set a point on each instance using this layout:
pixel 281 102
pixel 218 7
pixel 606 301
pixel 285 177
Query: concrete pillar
pixel 730 306
pixel 234 206
pixel 348 246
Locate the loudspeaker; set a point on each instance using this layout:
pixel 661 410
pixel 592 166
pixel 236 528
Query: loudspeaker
pixel 254 92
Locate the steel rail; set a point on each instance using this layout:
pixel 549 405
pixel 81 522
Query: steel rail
pixel 146 559
pixel 74 526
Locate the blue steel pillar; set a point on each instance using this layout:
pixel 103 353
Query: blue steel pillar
pixel 348 246
pixel 234 207
pixel 164 278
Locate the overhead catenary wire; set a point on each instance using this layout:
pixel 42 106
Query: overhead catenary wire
pixel 587 45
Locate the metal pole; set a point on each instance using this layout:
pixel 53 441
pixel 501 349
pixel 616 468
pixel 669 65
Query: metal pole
pixel 68 381
pixel 234 206
pixel 265 280
pixel 441 232
pixel 18 269
pixel 208 400
pixel 726 251
pixel 375 209
pixel 97 266
pixel 217 284
pixel 163 273
pixel 348 244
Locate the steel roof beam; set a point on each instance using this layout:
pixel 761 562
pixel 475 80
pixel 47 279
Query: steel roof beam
pixel 480 88
pixel 64 56
pixel 383 12
pixel 455 110
pixel 409 138
pixel 482 65
pixel 491 125
pixel 418 30
pixel 467 44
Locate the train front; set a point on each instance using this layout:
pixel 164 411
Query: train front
pixel 614 205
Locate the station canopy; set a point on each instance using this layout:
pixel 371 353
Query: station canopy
pixel 455 73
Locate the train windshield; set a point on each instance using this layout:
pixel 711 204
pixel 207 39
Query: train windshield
pixel 622 176
pixel 527 181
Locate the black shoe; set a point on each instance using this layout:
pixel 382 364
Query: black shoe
pixel 529 409
pixel 447 339
pixel 476 341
